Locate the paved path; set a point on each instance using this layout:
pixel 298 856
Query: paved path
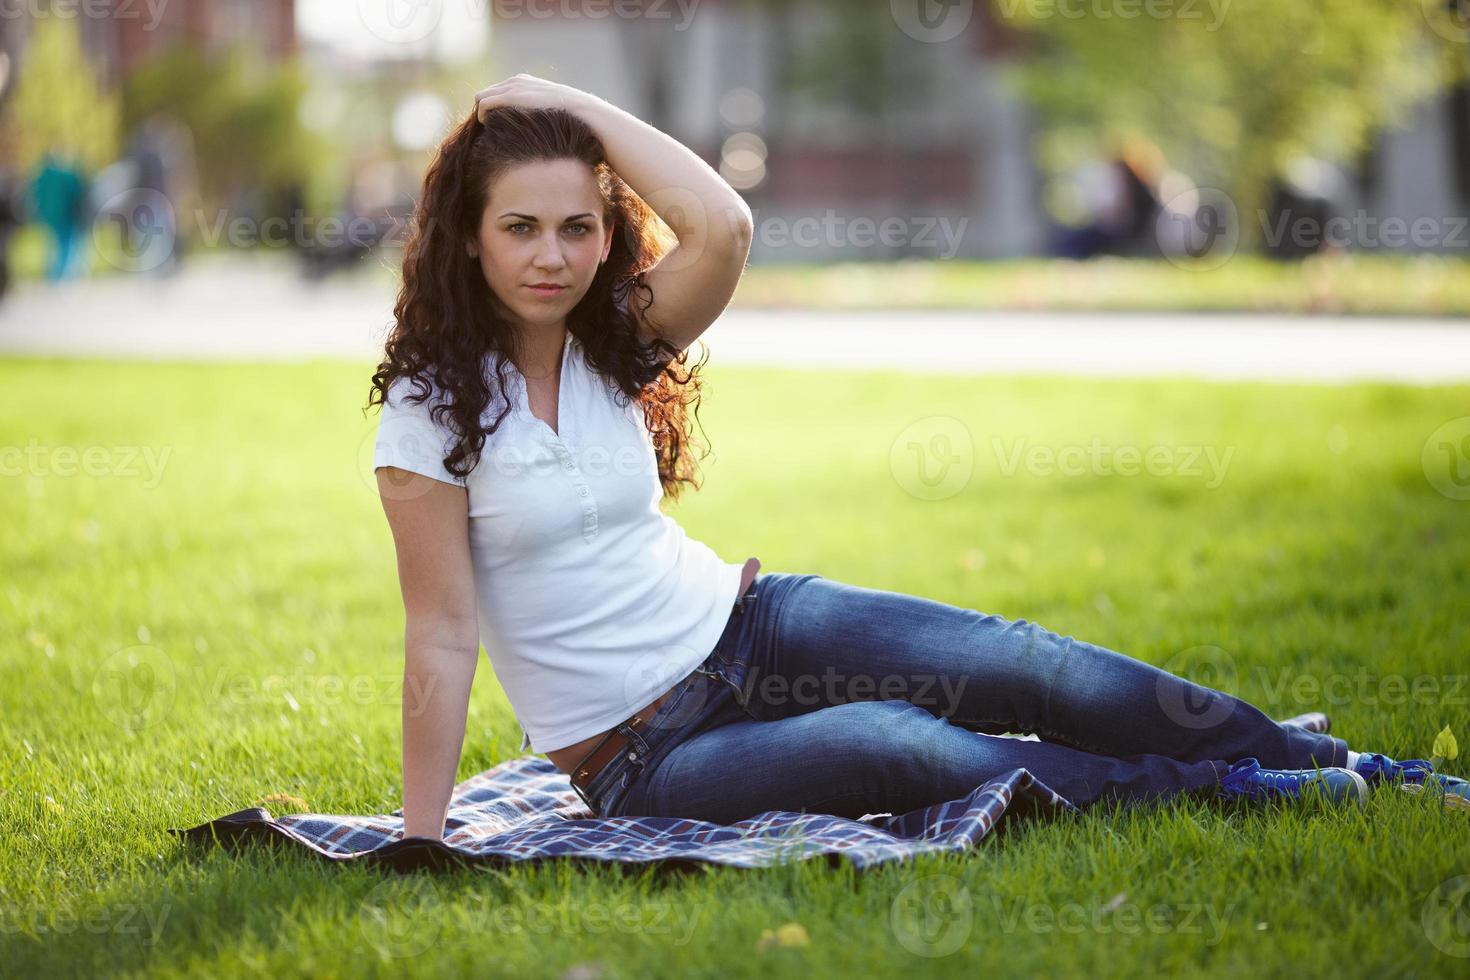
pixel 259 310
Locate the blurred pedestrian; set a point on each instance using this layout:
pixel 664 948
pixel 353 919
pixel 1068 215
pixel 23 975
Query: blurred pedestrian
pixel 11 217
pixel 58 200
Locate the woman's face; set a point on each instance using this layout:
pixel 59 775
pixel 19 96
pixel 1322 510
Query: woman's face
pixel 542 224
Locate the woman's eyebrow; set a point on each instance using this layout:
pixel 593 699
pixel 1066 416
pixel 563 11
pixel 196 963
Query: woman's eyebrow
pixel 532 217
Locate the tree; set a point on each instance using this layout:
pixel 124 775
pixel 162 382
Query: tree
pixel 58 103
pixel 1229 89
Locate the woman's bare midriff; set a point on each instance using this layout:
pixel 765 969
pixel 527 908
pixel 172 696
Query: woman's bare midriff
pixel 565 758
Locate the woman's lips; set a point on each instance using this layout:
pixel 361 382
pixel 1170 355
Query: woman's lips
pixel 547 291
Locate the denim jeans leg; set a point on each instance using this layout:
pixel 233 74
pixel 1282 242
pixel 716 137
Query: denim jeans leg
pixel 881 757
pixel 819 643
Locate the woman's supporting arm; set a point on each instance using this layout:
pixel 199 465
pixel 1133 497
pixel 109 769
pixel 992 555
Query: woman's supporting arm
pixel 441 644
pixel 437 678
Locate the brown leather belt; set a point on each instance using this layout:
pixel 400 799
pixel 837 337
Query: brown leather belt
pixel 614 742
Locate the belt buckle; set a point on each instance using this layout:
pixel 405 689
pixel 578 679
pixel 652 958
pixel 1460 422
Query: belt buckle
pixel 590 775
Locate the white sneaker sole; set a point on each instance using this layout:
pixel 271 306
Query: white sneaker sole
pixel 1359 784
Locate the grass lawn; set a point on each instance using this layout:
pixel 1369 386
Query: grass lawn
pixel 1358 283
pixel 226 528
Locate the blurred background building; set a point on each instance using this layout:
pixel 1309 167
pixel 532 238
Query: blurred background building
pixel 180 117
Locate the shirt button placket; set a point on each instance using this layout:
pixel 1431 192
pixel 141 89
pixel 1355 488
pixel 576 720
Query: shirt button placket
pixel 589 503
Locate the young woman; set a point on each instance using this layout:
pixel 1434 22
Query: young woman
pixel 534 415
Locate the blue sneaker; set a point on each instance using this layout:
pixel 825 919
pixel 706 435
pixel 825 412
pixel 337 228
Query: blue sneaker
pixel 1414 776
pixel 1247 779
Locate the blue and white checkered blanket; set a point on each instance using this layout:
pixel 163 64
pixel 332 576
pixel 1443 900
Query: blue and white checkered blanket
pixel 526 810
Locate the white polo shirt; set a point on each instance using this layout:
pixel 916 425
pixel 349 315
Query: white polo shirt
pixel 591 601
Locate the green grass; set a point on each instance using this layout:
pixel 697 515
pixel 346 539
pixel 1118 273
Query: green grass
pixel 1428 285
pixel 1323 562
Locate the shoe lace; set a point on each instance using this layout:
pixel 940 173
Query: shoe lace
pixel 1410 770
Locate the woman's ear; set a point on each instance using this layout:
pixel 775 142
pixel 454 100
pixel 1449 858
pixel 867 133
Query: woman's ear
pixel 607 244
pixel 471 250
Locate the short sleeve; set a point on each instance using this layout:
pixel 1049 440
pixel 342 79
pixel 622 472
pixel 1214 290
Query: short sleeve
pixel 408 436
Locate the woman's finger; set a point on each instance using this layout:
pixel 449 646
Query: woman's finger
pixel 490 88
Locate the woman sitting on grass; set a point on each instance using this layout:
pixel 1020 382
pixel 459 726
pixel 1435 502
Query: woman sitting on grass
pixel 535 415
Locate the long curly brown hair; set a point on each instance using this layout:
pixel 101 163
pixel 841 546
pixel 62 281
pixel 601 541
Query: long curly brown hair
pixel 448 322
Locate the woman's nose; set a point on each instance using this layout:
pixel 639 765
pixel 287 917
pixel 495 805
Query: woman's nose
pixel 549 256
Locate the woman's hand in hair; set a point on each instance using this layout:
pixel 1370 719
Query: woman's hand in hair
pixel 530 92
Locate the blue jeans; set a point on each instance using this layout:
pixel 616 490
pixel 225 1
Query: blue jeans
pixel 834 698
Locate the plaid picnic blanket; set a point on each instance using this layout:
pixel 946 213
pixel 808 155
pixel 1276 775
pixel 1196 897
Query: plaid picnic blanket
pixel 525 809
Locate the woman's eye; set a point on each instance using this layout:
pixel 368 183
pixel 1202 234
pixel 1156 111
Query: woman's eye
pixel 521 224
